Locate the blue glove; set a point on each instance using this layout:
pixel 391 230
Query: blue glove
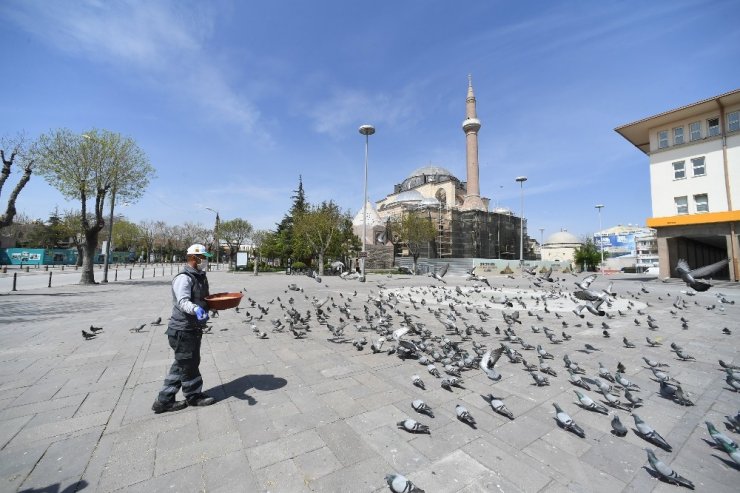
pixel 201 314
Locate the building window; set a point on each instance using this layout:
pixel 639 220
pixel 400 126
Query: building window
pixel 695 131
pixel 678 136
pixel 682 205
pixel 713 126
pixel 702 202
pixel 679 170
pixel 698 164
pixel 662 139
pixel 733 121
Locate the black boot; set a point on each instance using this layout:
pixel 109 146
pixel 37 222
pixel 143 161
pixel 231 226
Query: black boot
pixel 163 407
pixel 200 400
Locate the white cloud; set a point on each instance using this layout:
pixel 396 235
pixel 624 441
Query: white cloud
pixel 162 42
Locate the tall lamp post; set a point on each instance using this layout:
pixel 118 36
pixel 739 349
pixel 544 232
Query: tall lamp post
pixel 542 240
pixel 112 205
pixel 215 234
pixel 601 237
pixel 367 131
pixel 521 180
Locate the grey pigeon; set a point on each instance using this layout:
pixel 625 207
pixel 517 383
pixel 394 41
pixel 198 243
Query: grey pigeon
pixel 464 415
pixel 733 452
pixel 617 427
pixel 539 380
pixel 87 335
pixel 567 422
pixel 418 382
pixel 590 404
pixel 422 407
pixel 157 322
pixel 499 406
pixel 666 473
pixel 646 432
pixel 399 484
pixel 690 277
pixel 413 426
pixel 718 437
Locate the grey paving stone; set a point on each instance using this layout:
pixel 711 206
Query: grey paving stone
pixel 450 473
pixel 188 478
pixel 197 451
pixel 17 463
pixel 513 466
pixel 282 477
pixel 57 428
pixel 346 444
pixel 284 448
pixel 11 427
pixel 397 453
pixel 363 476
pixel 317 463
pixel 229 473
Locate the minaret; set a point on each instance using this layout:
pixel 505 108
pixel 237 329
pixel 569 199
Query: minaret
pixel 470 126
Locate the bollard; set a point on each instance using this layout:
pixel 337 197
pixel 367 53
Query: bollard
pixel 115 277
pixel 15 279
pixel 5 269
pixel 50 273
pixel 75 266
pixel 142 273
pixel 26 267
pixel 46 268
pixel 154 272
pixel 170 269
pixel 130 271
pixel 62 267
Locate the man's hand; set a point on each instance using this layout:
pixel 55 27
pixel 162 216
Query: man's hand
pixel 201 314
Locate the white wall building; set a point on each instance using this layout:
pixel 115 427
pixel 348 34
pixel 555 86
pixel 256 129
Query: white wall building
pixel 694 157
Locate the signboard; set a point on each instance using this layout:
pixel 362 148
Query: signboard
pixel 363 254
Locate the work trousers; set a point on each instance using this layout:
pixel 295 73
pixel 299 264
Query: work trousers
pixel 184 371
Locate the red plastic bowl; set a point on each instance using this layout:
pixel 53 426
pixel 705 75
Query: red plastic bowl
pixel 224 301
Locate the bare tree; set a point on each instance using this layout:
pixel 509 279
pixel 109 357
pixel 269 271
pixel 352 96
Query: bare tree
pixel 148 230
pixel 14 150
pixel 88 167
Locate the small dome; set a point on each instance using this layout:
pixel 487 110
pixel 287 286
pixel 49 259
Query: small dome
pixel 429 201
pixel 408 196
pixel 430 170
pixel 562 238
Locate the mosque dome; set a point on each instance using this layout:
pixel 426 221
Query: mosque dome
pixel 408 196
pixel 429 201
pixel 427 174
pixel 562 238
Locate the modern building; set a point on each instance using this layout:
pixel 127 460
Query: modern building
pixel 694 157
pixel 465 226
pixel 621 239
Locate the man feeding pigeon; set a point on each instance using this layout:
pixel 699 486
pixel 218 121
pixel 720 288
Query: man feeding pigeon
pixel 185 330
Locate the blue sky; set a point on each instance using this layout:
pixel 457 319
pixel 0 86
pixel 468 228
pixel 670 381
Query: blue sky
pixel 233 100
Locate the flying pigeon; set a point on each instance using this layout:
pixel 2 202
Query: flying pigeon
pixel 488 361
pixel 690 277
pixel 666 473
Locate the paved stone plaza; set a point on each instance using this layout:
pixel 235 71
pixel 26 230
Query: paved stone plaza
pixel 309 414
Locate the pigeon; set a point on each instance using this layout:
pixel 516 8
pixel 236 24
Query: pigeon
pixel 617 427
pixel 138 329
pixel 87 335
pixel 433 371
pixel 464 415
pixel 567 422
pixel 589 404
pixel 499 406
pixel 733 383
pixel 95 330
pixel 539 380
pixel 576 380
pixel 666 473
pixel 422 407
pixel 690 277
pixel 546 368
pixel 728 365
pixel 653 343
pixel 413 426
pixel 418 382
pixel 589 347
pixel 633 400
pixel 627 343
pixel 719 437
pixel 157 322
pixel 653 364
pixel 646 432
pixel 488 361
pixel 399 484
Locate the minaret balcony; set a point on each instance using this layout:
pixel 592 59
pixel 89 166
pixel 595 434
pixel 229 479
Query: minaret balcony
pixel 471 125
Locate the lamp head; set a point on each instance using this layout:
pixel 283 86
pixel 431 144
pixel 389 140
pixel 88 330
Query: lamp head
pixel 521 179
pixel 367 130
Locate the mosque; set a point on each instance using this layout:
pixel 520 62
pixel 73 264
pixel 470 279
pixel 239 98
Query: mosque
pixel 465 226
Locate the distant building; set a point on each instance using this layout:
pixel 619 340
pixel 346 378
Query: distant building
pixel 560 247
pixel 465 226
pixel 694 157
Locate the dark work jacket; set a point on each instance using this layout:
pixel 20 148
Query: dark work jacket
pixel 180 320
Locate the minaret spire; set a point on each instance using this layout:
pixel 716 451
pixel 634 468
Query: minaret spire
pixel 470 126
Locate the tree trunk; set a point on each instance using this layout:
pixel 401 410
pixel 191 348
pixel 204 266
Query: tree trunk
pixel 255 259
pixel 321 263
pixel 416 258
pixel 80 254
pixel 88 259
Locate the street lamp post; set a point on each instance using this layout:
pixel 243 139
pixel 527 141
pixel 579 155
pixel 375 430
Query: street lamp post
pixel 542 240
pixel 215 235
pixel 367 131
pixel 601 237
pixel 521 180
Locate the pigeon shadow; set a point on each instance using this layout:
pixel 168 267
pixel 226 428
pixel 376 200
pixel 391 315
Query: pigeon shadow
pixel 56 488
pixel 728 463
pixel 239 386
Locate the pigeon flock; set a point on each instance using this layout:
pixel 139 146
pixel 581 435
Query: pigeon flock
pixel 488 331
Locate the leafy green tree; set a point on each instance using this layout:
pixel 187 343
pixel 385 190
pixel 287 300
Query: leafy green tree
pixel 126 235
pixel 88 167
pixel 413 230
pixel 284 231
pixel 317 229
pixel 14 151
pixel 234 233
pixel 588 255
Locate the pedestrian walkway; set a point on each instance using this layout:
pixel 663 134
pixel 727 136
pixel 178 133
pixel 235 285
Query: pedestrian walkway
pixel 309 414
